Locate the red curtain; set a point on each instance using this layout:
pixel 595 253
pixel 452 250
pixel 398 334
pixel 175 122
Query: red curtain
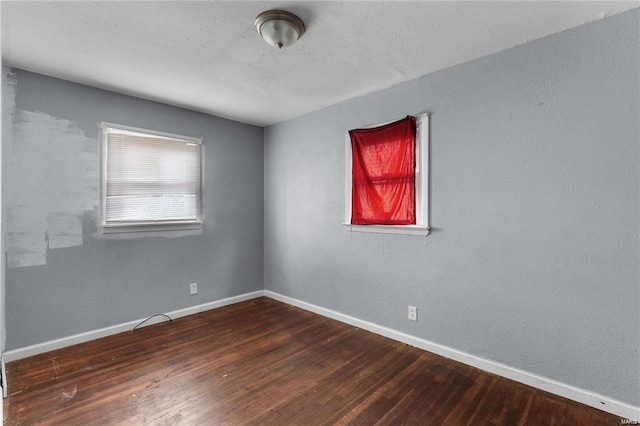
pixel 383 174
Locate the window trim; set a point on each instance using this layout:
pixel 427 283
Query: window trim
pixel 421 227
pixel 147 226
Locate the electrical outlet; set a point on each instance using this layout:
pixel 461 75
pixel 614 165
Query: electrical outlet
pixel 413 313
pixel 193 288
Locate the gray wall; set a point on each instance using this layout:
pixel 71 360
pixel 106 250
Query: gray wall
pixel 534 257
pixel 6 118
pixel 61 278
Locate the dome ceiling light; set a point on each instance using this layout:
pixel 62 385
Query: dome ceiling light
pixel 279 28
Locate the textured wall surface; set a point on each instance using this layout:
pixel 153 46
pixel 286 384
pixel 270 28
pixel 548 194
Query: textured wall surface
pixel 62 277
pixel 534 256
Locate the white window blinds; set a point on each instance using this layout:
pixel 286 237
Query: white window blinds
pixel 151 179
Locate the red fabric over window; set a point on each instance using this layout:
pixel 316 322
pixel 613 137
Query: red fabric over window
pixel 383 174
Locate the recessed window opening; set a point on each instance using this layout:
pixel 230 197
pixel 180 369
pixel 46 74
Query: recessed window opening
pixel 386 171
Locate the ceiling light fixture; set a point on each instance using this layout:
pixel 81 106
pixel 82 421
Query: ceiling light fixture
pixel 279 28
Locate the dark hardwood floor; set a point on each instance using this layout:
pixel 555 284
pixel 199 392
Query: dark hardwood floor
pixel 264 362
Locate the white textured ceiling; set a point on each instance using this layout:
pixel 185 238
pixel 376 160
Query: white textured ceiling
pixel 207 56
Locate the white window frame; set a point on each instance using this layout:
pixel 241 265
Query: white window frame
pixel 147 226
pixel 421 227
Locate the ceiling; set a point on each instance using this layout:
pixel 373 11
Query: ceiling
pixel 207 56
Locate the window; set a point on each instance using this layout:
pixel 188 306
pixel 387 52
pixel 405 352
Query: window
pixel 151 181
pixel 387 184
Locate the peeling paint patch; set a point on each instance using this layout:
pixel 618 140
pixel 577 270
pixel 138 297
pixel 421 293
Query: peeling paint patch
pixel 64 230
pixel 25 249
pixel 25 239
pixel 10 83
pixel 53 178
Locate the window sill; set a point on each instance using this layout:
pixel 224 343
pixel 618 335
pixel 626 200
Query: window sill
pixel 138 231
pixel 389 229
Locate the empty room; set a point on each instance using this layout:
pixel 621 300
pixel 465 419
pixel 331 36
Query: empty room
pixel 305 213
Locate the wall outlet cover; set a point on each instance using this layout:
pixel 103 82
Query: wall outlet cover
pixel 413 313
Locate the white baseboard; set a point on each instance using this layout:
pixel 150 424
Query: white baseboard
pixel 16 354
pixel 592 399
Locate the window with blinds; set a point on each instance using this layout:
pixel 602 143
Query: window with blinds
pixel 150 179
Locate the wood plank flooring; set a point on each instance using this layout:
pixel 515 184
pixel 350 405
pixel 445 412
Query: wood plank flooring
pixel 262 362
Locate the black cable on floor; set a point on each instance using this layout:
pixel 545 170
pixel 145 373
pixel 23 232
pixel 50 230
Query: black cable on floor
pixel 152 316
